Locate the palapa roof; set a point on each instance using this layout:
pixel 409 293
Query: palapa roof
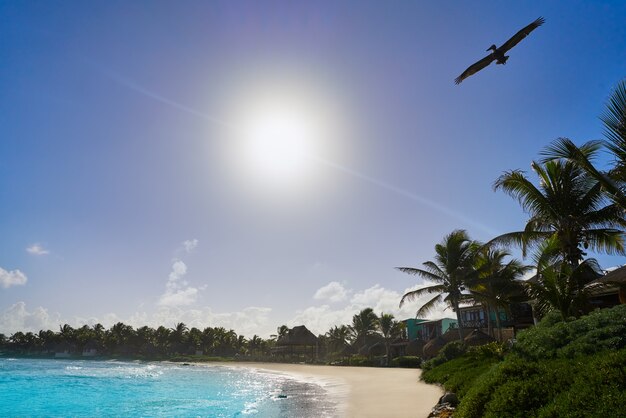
pixel 432 347
pixel 477 337
pixel 616 276
pixel 415 347
pixel 377 349
pixel 299 335
pixel 452 334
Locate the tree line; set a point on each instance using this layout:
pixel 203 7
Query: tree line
pixel 123 340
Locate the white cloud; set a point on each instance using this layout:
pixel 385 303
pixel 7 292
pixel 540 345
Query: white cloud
pixel 190 244
pixel 249 321
pixel 17 318
pixel 177 291
pixel 182 297
pixel 37 249
pixel 12 278
pixel 320 319
pixel 333 292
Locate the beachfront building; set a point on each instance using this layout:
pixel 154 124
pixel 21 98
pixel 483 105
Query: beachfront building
pixel 609 290
pixel 518 316
pixel 91 349
pixel 428 329
pixel 63 350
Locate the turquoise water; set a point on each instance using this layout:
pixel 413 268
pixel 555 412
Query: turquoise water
pixel 90 388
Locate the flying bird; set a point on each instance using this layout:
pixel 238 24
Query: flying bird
pixel 498 53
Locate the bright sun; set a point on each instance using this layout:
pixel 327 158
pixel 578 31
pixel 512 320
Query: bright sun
pixel 282 132
pixel 279 142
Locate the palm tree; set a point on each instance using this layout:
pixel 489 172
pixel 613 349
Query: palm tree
pixel 560 286
pixel 67 333
pixel 338 337
pixel 451 271
pixel 568 206
pixel 390 329
pixel 178 337
pixel 363 325
pixel 497 283
pixel 614 120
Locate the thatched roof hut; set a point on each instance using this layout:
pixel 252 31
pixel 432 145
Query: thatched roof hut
pixel 617 278
pixel 415 348
pixel 477 337
pixel 347 350
pixel 432 347
pixel 299 335
pixel 453 334
pixel 377 349
pixel 298 340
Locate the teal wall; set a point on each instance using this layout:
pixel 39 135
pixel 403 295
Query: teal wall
pixel 413 327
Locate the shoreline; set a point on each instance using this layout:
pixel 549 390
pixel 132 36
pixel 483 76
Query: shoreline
pixel 363 391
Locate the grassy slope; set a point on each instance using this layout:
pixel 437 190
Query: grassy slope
pixel 573 369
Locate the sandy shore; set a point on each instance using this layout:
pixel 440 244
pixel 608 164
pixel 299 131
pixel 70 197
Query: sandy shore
pixel 367 391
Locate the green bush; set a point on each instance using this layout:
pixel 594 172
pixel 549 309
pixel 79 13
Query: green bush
pixel 448 352
pixel 574 368
pixel 491 350
pixel 587 386
pixel 359 361
pixel 458 375
pixel 411 362
pixel 600 330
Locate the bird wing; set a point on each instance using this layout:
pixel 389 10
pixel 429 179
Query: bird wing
pixel 474 68
pixel 515 39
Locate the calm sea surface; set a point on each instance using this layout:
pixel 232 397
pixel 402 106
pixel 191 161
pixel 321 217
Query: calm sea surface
pixel 93 388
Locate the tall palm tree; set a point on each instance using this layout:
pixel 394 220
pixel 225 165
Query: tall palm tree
pixel 363 325
pixel 451 271
pixel 497 283
pixel 390 329
pixel 567 206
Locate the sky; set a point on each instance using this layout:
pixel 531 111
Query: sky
pixel 148 173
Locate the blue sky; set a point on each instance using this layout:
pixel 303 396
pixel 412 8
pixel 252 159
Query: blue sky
pixel 120 168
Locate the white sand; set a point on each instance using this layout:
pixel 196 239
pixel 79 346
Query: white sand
pixel 366 391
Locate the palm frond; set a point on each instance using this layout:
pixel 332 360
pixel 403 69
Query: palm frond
pixel 414 294
pixel 426 308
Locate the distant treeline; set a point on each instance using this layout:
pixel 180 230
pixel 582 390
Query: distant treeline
pixel 122 340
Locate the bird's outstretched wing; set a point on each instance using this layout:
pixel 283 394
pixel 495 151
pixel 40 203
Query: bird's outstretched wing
pixel 515 39
pixel 474 68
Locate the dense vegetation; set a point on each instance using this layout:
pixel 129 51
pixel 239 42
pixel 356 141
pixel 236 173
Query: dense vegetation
pixel 181 343
pixel 574 368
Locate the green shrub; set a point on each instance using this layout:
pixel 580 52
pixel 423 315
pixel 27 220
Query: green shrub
pixel 359 361
pixel 412 362
pixel 586 386
pixel 448 352
pixel 458 375
pixel 598 389
pixel 493 350
pixel 600 330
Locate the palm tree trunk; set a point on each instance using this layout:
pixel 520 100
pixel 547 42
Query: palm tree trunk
pixel 387 349
pixel 458 320
pixel 498 325
pixel 489 327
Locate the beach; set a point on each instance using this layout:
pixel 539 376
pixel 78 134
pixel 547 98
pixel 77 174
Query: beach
pixel 366 391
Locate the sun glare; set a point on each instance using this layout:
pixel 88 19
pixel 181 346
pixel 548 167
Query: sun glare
pixel 278 142
pixel 283 130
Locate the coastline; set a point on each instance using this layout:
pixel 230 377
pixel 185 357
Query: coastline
pixel 364 391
